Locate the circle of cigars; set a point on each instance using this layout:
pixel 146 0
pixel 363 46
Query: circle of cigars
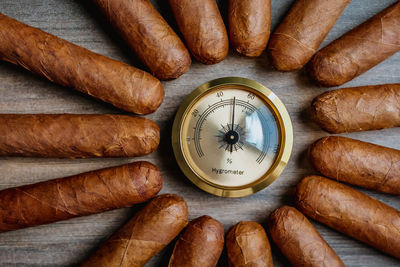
pixel 232 137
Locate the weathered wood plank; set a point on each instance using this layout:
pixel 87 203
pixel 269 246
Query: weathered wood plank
pixel 67 243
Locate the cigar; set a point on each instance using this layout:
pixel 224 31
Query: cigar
pixel 73 66
pixel 76 136
pixel 78 195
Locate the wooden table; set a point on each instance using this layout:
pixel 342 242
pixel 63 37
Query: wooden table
pixel 68 242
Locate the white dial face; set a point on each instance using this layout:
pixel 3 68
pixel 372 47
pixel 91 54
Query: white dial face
pixel 230 136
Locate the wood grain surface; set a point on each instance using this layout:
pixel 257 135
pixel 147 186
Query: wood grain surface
pixel 67 243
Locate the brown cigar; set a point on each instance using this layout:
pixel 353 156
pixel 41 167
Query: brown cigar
pixel 299 241
pixel 350 212
pixel 358 163
pixel 200 245
pixel 249 25
pixel 149 36
pixel 78 195
pixel 146 234
pixel 358 109
pixel 203 29
pixel 76 136
pixel 302 31
pixel 358 50
pixel 73 66
pixel 247 245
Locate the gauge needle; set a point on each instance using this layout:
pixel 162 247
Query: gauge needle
pixel 233 117
pixel 233 111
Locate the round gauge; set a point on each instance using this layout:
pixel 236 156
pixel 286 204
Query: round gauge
pixel 232 137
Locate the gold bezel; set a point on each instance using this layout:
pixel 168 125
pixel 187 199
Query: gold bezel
pixel 286 137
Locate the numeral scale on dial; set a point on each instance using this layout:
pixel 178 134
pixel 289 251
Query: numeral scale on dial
pixel 228 131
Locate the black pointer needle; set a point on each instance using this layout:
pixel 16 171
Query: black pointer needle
pixel 233 111
pixel 233 118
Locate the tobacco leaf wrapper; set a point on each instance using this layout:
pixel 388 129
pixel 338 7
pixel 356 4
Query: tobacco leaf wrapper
pixel 73 66
pixel 147 233
pixel 358 163
pixel 76 136
pixel 247 245
pixel 200 244
pixel 351 212
pixel 78 195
